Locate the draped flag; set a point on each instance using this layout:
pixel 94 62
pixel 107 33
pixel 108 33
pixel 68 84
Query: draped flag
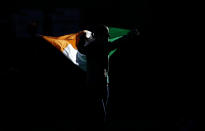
pixel 67 44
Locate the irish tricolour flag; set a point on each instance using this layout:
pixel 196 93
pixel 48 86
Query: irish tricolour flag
pixel 67 44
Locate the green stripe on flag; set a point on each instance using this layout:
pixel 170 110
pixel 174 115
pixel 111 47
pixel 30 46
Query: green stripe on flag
pixel 116 33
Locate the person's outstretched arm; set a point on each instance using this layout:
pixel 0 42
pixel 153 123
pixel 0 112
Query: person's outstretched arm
pixel 85 40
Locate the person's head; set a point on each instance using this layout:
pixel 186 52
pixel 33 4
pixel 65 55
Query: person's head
pixel 101 32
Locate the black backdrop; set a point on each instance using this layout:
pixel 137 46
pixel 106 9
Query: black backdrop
pixel 152 79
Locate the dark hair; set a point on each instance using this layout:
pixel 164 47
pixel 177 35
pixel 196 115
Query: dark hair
pixel 99 30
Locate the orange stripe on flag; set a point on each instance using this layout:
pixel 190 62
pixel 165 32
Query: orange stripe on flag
pixel 62 42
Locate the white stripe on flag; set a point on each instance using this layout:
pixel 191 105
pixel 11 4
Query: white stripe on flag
pixel 75 56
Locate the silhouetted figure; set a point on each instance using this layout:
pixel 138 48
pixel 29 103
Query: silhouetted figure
pixel 96 48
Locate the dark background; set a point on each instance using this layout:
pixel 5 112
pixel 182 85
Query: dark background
pixel 153 78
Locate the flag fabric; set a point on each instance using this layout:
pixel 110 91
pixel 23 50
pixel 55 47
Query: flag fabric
pixel 67 44
pixel 116 33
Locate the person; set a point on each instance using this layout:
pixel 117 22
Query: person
pixel 96 48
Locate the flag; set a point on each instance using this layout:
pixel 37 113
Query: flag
pixel 67 44
pixel 116 33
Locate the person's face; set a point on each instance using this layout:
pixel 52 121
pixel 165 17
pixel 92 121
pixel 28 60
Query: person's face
pixel 104 35
pixel 107 35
